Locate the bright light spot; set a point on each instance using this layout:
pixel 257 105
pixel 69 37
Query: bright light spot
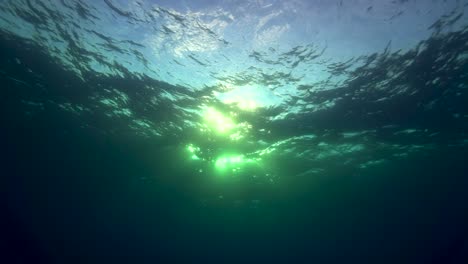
pixel 193 150
pixel 246 104
pixel 237 159
pixel 249 98
pixel 217 121
pixel 243 103
pixel 230 161
pixel 221 163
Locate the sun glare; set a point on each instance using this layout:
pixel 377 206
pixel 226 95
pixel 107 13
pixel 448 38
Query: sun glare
pixel 217 121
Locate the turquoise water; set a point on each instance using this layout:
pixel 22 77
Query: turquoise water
pixel 252 131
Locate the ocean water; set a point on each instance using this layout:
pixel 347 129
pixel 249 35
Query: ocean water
pixel 234 131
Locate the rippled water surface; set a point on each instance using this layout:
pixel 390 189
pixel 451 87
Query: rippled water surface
pixel 246 131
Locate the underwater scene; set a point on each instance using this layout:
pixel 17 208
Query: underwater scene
pixel 222 131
